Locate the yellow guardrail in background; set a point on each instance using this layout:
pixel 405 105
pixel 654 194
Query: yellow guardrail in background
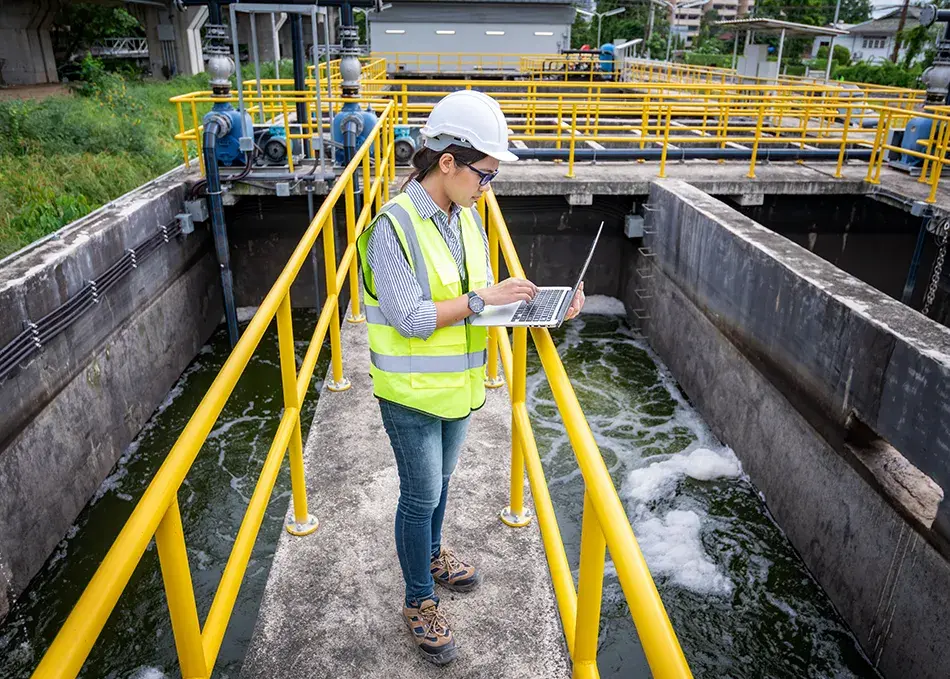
pixel 604 524
pixel 157 513
pixel 934 148
pixel 448 62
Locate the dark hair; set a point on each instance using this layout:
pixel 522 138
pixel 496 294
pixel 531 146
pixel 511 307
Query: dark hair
pixel 425 159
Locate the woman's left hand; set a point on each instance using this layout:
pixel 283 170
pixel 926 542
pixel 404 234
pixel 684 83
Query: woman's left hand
pixel 576 304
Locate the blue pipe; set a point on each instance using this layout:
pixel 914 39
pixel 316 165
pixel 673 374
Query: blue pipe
pixel 213 129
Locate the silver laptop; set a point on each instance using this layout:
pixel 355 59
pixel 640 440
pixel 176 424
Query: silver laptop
pixel 546 310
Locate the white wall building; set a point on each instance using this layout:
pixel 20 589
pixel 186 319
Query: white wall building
pixel 873 40
pixel 475 26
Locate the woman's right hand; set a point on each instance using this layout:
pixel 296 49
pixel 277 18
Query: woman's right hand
pixel 508 291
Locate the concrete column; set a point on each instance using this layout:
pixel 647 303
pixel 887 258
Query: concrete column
pixel 26 49
pixel 265 42
pixel 149 17
pixel 188 51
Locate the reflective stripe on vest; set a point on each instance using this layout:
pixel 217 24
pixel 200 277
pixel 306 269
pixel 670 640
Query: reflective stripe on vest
pixel 429 364
pixel 418 263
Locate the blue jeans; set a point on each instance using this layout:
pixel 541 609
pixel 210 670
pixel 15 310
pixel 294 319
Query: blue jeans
pixel 427 450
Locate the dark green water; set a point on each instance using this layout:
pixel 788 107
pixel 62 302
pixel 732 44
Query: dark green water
pixel 739 597
pixel 741 600
pixel 137 641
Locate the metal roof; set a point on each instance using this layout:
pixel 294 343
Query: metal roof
pixel 887 24
pixel 777 26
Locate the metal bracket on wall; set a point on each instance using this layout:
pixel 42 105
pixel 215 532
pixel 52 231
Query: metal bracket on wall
pixel 645 252
pixel 638 292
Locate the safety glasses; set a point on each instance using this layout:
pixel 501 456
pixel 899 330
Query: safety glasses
pixel 483 177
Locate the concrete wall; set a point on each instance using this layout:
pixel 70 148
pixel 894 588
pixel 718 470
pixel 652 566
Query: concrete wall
pixel 776 348
pixel 70 411
pixel 263 232
pixel 468 38
pixel 25 45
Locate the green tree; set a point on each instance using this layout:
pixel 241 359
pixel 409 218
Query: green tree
pixel 581 31
pixel 853 11
pixel 914 41
pixel 812 12
pixel 78 25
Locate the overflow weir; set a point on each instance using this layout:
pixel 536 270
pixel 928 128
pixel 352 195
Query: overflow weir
pixel 734 465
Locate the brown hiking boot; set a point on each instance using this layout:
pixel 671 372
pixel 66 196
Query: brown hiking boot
pixel 453 573
pixel 430 630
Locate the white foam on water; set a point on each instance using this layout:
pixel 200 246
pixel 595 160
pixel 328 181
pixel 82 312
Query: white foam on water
pixel 245 313
pixel 673 547
pixel 604 305
pixel 145 672
pixel 660 478
pixel 633 431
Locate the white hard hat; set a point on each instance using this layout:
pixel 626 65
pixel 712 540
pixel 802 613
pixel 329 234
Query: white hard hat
pixel 468 118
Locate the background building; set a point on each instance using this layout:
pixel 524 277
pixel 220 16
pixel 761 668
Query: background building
pixel 687 20
pixel 484 26
pixel 874 40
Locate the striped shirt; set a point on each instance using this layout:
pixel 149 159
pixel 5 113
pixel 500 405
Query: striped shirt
pixel 400 297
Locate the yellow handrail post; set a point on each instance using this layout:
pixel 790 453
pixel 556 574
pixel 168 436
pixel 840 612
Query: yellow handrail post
pixel 405 104
pixel 932 142
pixel 570 155
pixel 755 142
pixel 844 141
pixel 493 379
pixel 937 165
pixel 181 129
pixel 367 183
pixel 666 141
pixel 876 149
pixel 336 382
pixel 515 514
pixel 391 158
pixel 180 592
pixel 560 118
pixel 590 589
pixel 354 316
pixel 377 159
pixel 302 523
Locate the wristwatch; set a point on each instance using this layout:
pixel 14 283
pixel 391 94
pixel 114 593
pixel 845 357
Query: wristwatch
pixel 475 303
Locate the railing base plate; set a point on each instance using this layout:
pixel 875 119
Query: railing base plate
pixel 342 385
pixel 301 529
pixel 513 520
pixel 494 383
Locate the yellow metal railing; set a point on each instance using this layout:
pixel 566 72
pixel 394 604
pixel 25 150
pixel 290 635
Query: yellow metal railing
pixel 274 99
pixel 604 523
pixel 448 62
pixel 933 151
pixel 157 513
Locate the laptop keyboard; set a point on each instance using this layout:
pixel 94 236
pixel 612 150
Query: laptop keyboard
pixel 541 308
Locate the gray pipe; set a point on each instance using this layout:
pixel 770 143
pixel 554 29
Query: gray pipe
pixel 690 154
pixel 214 127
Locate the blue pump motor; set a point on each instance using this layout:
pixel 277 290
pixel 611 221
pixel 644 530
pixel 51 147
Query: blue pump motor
pixel 918 129
pixel 607 57
pixel 228 149
pixel 362 122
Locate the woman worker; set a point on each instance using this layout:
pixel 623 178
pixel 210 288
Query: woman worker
pixel 425 268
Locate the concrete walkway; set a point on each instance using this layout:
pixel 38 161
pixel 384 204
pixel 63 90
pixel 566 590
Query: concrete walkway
pixel 332 605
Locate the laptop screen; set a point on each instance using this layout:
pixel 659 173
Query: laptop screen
pixel 586 264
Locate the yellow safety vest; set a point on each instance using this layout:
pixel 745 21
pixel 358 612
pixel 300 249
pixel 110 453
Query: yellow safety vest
pixel 444 375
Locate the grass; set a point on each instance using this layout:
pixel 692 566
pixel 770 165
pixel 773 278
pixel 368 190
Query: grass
pixel 64 156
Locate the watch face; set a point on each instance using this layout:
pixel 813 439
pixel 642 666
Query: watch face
pixel 476 304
